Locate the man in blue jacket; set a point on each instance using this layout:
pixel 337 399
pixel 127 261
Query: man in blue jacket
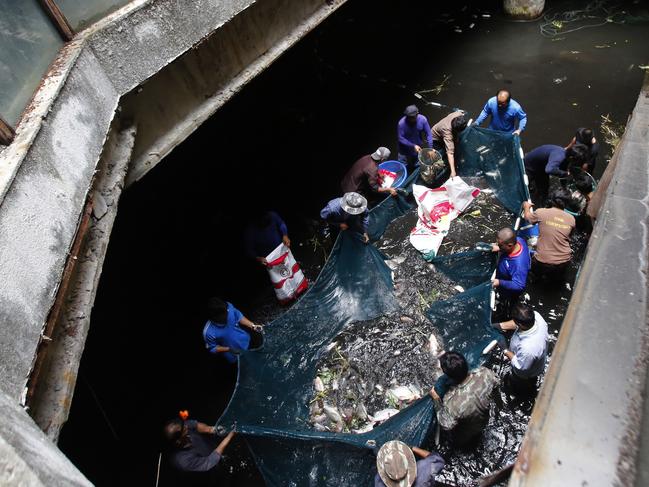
pixel 512 269
pixel 504 113
pixel 410 129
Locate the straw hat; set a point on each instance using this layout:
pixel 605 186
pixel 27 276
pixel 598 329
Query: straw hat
pixel 353 203
pixel 396 464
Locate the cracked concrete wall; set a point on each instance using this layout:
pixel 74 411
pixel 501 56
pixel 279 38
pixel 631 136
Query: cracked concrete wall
pixel 40 213
pixel 27 457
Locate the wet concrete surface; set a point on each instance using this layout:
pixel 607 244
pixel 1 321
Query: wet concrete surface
pixel 284 143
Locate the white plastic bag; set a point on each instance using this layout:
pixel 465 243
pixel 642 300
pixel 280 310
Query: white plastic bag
pixel 285 274
pixel 436 209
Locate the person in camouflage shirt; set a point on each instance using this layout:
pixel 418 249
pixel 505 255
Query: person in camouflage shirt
pixel 464 409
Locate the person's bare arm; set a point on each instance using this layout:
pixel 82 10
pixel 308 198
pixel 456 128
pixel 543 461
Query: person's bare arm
pixel 420 452
pixel 527 211
pixel 246 322
pixel 451 163
pixel 203 428
pixel 224 443
pixel 508 325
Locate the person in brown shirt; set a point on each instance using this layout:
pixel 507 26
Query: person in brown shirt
pixel 446 133
pixel 363 176
pixel 553 253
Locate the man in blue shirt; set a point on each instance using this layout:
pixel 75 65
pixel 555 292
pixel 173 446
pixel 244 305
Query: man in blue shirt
pixel 264 234
pixel 554 160
pixel 511 271
pixel 222 331
pixel 347 212
pixel 409 133
pixel 504 113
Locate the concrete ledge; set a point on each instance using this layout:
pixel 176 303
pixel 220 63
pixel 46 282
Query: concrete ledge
pixel 584 426
pixel 27 457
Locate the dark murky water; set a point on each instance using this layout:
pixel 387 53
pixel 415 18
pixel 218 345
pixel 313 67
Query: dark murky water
pixel 335 96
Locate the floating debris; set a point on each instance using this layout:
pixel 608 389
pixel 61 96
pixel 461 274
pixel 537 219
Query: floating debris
pixel 558 81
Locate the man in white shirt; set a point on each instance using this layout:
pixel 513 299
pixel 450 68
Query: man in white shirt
pixel 527 349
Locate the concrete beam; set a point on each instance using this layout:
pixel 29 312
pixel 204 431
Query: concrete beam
pixel 585 426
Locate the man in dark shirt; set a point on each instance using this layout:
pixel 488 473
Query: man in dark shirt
pixel 363 176
pixel 550 159
pixel 585 136
pixel 264 233
pixel 190 448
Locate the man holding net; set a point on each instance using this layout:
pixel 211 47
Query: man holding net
pixel 505 113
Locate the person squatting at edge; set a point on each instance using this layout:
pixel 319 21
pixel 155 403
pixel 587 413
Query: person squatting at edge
pixel 528 347
pixel 363 176
pixel 446 133
pixel 553 252
pixel 347 212
pixel 512 268
pixel 409 136
pixel 504 113
pixel 189 448
pixel 266 231
pixel 396 466
pixel 222 332
pixel 587 138
pixel 463 406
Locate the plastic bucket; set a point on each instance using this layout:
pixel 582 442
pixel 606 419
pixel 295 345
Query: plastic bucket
pixel 398 168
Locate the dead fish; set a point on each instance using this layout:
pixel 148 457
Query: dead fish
pixel 333 413
pixel 361 412
pixel 406 319
pixel 331 346
pixel 403 393
pixel 319 419
pixel 318 385
pixel 384 414
pixel 459 289
pixel 364 429
pixel 334 385
pixel 319 427
pixel 433 345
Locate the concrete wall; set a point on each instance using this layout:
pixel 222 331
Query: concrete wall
pixel 585 428
pixel 206 50
pixel 27 457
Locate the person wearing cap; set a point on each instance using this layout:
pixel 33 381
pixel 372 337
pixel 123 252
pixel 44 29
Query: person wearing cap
pixel 397 467
pixel 528 347
pixel 348 212
pixel 363 176
pixel 190 445
pixel 446 133
pixel 504 112
pixel 464 409
pixel 409 132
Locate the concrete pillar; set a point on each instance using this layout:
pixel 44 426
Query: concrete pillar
pixel 524 9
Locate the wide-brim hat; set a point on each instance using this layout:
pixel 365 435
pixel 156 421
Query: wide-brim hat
pixel 396 464
pixel 353 203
